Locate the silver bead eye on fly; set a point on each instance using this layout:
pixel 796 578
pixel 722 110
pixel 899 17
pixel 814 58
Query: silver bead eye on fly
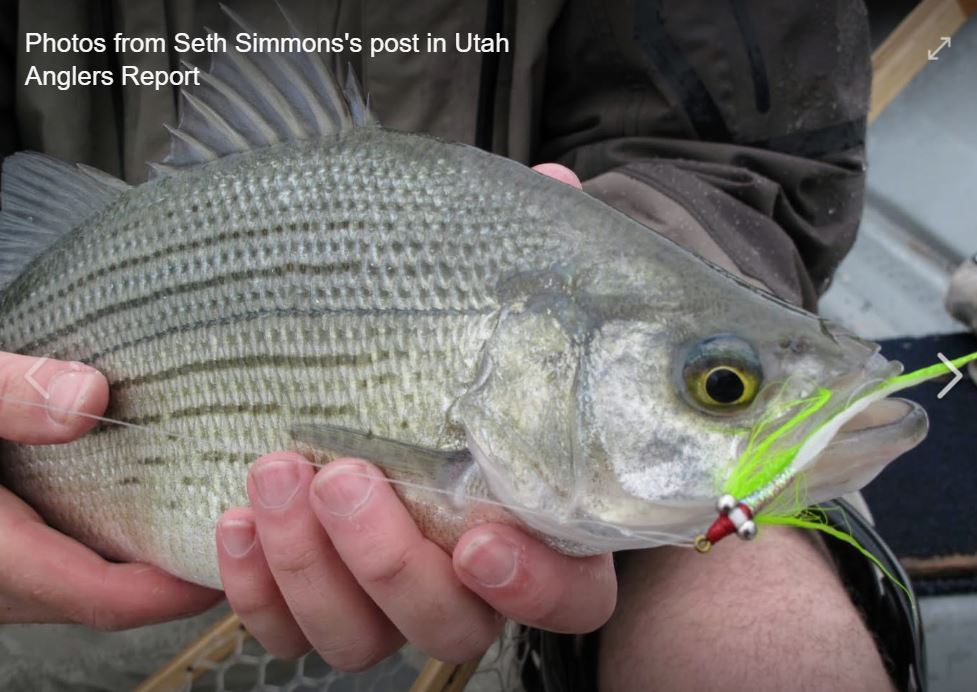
pixel 725 504
pixel 734 517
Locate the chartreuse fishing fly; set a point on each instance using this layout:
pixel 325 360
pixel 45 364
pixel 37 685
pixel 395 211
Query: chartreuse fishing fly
pixel 767 483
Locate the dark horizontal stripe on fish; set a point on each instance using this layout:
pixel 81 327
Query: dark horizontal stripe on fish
pixel 327 268
pixel 303 229
pixel 213 457
pixel 151 461
pixel 189 287
pixel 378 381
pixel 249 234
pixel 210 242
pixel 325 361
pixel 222 457
pixel 325 412
pixel 271 312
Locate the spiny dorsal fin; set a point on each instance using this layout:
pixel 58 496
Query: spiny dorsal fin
pixel 358 106
pixel 251 100
pixel 43 198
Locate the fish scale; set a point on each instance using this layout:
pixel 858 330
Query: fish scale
pixel 320 290
pixel 444 279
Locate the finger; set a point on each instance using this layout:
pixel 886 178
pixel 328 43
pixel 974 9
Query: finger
pixel 251 589
pixel 534 585
pixel 561 173
pixel 38 397
pixel 336 616
pixel 57 579
pixel 408 576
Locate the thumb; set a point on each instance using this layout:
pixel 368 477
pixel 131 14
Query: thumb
pixel 39 398
pixel 559 172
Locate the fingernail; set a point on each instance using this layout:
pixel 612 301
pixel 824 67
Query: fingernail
pixel 237 536
pixel 276 483
pixel 67 392
pixel 490 560
pixel 343 489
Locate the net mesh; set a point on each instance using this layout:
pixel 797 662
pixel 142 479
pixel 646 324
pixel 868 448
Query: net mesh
pixel 51 658
pixel 249 667
pixel 237 663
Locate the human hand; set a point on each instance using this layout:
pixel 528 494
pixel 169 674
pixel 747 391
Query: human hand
pixel 44 575
pixel 332 560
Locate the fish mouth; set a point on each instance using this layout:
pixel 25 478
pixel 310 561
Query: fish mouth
pixel 842 433
pixel 899 418
pixel 865 444
pixel 859 442
pixel 826 438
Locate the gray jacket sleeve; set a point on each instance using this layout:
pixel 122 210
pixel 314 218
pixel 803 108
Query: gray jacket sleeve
pixel 736 128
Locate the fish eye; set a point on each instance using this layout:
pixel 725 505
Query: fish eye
pixel 722 373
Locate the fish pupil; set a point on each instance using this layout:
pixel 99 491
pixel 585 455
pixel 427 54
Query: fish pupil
pixel 725 386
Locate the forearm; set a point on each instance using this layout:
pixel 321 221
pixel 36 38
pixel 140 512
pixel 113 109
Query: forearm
pixel 769 615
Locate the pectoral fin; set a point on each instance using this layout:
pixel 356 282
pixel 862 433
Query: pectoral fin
pixel 403 459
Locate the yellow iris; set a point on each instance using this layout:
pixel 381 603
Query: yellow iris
pixel 724 386
pixel 722 373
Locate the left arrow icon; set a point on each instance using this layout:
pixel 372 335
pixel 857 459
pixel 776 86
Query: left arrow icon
pixel 957 376
pixel 29 376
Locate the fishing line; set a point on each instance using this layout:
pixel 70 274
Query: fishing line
pixel 662 538
pixel 115 421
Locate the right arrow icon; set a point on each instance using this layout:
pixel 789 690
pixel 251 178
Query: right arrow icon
pixel 957 376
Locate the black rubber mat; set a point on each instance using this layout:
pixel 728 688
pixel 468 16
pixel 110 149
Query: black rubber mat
pixel 925 503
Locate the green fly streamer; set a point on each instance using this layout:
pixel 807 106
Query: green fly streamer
pixel 761 463
pixel 764 471
pixel 808 520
